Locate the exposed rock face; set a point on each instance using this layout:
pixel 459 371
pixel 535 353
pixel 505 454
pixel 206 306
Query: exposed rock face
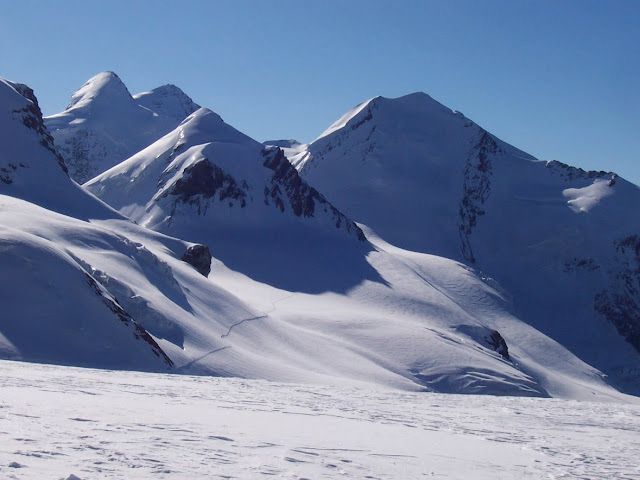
pixel 31 117
pixel 498 343
pixel 206 180
pixel 286 185
pixel 476 189
pixel 199 257
pixel 620 302
pixel 569 172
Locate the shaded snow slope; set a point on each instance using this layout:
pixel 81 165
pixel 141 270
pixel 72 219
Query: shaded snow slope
pixel 564 242
pixel 104 124
pixel 61 421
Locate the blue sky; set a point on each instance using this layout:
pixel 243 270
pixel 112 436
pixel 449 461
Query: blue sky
pixel 560 80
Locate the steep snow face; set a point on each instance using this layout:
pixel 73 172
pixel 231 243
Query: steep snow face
pixel 21 129
pixel 104 124
pixel 428 179
pixel 30 166
pixel 167 101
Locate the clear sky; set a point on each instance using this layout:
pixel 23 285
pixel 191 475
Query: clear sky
pixel 559 79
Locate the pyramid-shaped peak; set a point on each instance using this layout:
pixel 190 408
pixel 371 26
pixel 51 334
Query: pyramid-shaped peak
pixel 169 88
pixel 103 87
pixel 168 100
pixel 412 109
pixel 416 101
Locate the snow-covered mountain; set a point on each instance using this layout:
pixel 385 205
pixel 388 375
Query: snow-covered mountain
pixel 281 284
pixel 167 101
pixel 328 303
pixel 563 242
pixel 104 124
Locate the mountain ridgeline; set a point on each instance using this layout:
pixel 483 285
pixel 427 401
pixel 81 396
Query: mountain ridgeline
pixel 406 246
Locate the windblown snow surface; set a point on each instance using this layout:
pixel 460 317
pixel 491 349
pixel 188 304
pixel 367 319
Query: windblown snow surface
pixel 71 423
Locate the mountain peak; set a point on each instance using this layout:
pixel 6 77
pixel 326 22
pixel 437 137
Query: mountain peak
pixel 104 124
pixel 168 100
pixel 416 107
pixel 105 86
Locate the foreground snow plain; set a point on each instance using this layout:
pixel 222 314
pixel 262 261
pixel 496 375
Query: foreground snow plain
pixel 66 422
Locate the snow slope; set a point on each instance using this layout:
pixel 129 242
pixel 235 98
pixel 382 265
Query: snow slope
pixel 323 303
pixel 61 421
pixel 104 124
pixel 563 242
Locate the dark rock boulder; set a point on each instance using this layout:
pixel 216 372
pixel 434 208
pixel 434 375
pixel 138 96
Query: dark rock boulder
pixel 199 257
pixel 498 343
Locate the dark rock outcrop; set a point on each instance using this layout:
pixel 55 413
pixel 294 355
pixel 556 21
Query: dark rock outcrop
pixel 287 187
pixel 620 301
pixel 31 117
pixel 569 172
pixel 199 257
pixel 498 344
pixel 204 179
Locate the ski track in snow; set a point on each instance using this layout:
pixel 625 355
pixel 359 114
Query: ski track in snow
pixel 273 308
pixel 62 421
